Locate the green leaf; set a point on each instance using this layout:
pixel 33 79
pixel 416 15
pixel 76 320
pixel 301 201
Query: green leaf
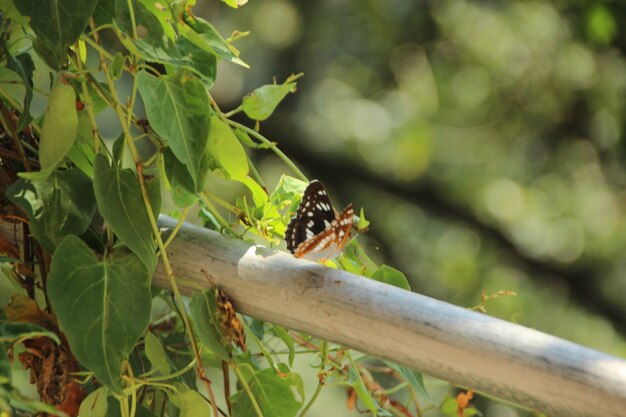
pixel 274 395
pixel 412 377
pixel 163 14
pixel 364 395
pixel 261 103
pixel 61 205
pixel 356 382
pixel 282 334
pixel 12 331
pixel 288 192
pixel 9 11
pixel 179 180
pixel 391 276
pixel 149 29
pixel 450 406
pixel 117 150
pixel 183 54
pixel 178 110
pixel 363 222
pixel 295 378
pixel 23 65
pixel 58 131
pixel 235 3
pixel 226 150
pixel 257 327
pixel 192 404
pixel 203 308
pixel 57 24
pixel 259 195
pixel 82 153
pixel 121 204
pixel 156 354
pixel 207 38
pixel 117 65
pixel 198 60
pixel 103 307
pixel 95 404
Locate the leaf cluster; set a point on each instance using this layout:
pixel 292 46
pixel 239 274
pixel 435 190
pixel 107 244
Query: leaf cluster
pixel 88 208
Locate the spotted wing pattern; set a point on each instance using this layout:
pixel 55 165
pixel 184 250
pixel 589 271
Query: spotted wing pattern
pixel 315 233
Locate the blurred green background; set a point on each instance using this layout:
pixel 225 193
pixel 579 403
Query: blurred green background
pixel 484 139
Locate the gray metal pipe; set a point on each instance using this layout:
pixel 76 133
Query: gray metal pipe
pixel 525 366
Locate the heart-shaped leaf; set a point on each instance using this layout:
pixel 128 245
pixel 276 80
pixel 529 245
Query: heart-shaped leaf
pixel 119 200
pixel 103 307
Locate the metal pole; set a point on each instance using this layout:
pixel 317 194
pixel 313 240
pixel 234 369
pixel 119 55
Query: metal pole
pixel 508 361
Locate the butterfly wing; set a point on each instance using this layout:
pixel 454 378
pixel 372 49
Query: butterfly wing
pixel 314 215
pixel 329 243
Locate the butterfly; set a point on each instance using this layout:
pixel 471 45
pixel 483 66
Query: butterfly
pixel 315 232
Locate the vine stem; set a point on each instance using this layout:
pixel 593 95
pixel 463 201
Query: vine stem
pixel 89 104
pixel 320 384
pixel 246 387
pixel 155 230
pixel 259 136
pixel 272 146
pixel 172 235
pixel 213 210
pixel 10 127
pixel 225 372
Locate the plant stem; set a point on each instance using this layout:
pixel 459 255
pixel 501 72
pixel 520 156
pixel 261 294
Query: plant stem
pixel 225 372
pixel 172 235
pixel 89 105
pixel 320 383
pixel 272 146
pixel 215 213
pixel 246 387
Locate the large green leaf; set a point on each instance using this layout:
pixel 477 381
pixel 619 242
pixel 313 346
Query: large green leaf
pixel 261 103
pixel 103 307
pixel 226 150
pixel 12 331
pixel 274 394
pixel 58 206
pixel 203 308
pixel 57 24
pixel 58 131
pixel 119 200
pixel 178 110
pixel 227 153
